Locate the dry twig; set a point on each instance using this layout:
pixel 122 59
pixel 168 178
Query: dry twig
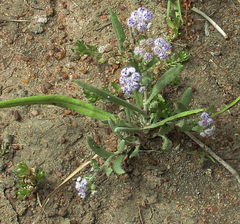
pixel 208 150
pixel 211 21
pixel 13 20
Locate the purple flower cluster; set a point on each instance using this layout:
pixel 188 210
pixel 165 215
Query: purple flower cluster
pixel 81 186
pixel 149 48
pixel 205 122
pixel 139 17
pixel 129 79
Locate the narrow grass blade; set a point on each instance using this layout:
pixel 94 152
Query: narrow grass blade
pixel 117 29
pixel 110 97
pixel 226 108
pixel 183 114
pixel 62 101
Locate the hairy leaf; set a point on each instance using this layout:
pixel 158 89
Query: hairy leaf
pixel 164 80
pixel 62 101
pixel 110 97
pixel 118 30
pixel 97 149
pixel 183 114
pixel 117 165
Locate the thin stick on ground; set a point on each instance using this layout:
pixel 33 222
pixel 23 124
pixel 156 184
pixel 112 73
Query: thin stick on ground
pixel 208 150
pixel 140 216
pixel 13 20
pixel 211 21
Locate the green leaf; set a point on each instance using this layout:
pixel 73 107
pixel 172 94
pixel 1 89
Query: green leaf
pixel 121 146
pixel 210 157
pixel 62 101
pixel 118 30
pixel 197 129
pixel 202 159
pixel 183 114
pixel 141 37
pixel 95 165
pixel 166 128
pixel 167 144
pixel 175 31
pixel 180 108
pixel 187 97
pixel 101 60
pixel 210 109
pixel 125 129
pixel 109 171
pixel 153 62
pixel 97 149
pixel 170 23
pixel 226 108
pixel 135 152
pixel 115 86
pixel 186 126
pixel 110 97
pixel 164 80
pixel 117 165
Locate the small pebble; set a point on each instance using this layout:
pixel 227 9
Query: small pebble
pixel 58 174
pixel 34 113
pixel 17 116
pixel 60 27
pixel 51 53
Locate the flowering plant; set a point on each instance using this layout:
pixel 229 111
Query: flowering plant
pixel 138 81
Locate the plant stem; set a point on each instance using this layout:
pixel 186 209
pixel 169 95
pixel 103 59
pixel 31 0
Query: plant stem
pixel 145 108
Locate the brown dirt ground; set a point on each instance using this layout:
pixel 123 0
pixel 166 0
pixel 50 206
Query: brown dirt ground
pixel 162 187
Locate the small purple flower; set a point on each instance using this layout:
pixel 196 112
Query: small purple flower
pixel 147 56
pixel 141 26
pixel 147 15
pixel 127 89
pixel 123 80
pixel 159 41
pixel 137 50
pixel 142 10
pixel 204 116
pixel 150 41
pixel 157 50
pixel 124 72
pixel 131 70
pixel 207 132
pixel 134 85
pixel 166 46
pixel 101 49
pixel 142 89
pixel 135 15
pixel 206 122
pixel 162 55
pixel 142 42
pixel 129 78
pixel 135 77
pixel 131 22
pixel 81 186
pixel 142 52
